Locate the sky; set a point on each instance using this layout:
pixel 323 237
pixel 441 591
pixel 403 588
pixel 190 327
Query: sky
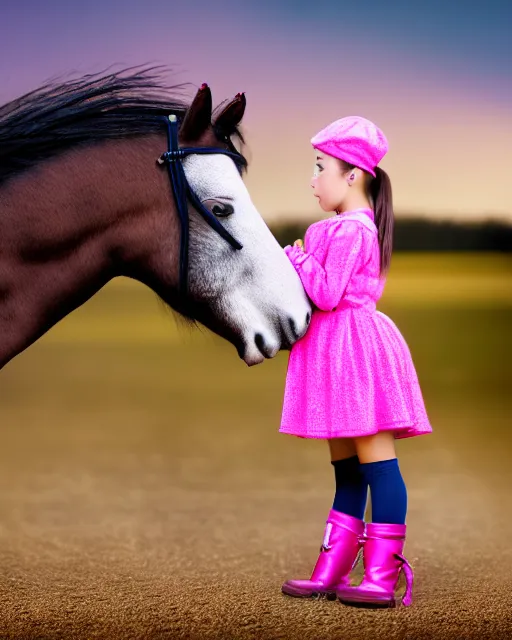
pixel 435 76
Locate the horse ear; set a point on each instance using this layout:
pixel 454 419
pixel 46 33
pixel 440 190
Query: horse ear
pixel 198 116
pixel 232 113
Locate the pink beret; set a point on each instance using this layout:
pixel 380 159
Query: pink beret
pixel 355 140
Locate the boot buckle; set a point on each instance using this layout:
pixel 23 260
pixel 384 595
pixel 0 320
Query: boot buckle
pixel 325 544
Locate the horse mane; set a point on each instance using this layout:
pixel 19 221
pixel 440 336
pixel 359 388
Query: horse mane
pixel 59 116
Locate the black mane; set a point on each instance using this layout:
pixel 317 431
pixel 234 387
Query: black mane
pixel 59 116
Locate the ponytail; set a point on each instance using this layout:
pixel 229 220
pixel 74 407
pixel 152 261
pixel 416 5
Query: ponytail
pixel 381 194
pixel 378 189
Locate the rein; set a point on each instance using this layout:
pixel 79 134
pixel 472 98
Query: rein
pixel 182 193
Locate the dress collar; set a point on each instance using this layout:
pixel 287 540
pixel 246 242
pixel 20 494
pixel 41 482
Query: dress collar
pixel 365 210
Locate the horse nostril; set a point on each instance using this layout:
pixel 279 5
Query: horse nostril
pixel 296 334
pixel 260 342
pixel 293 327
pixel 268 347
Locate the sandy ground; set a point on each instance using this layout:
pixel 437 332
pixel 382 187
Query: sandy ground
pixel 145 493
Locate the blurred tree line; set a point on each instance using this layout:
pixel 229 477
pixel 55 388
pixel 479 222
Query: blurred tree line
pixel 413 234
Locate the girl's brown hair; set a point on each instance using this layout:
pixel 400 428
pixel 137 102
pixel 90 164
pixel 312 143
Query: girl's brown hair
pixel 378 190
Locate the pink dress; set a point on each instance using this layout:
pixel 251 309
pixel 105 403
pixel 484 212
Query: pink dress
pixel 352 373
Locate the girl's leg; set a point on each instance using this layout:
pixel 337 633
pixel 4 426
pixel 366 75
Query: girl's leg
pixel 351 487
pixel 385 535
pixel 341 448
pixel 343 531
pixel 379 467
pixel 375 448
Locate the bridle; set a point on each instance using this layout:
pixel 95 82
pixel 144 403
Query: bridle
pixel 182 191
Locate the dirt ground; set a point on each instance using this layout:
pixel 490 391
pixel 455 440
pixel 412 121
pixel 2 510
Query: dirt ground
pixel 145 492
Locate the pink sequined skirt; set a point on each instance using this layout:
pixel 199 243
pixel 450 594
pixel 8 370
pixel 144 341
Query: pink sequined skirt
pixel 352 375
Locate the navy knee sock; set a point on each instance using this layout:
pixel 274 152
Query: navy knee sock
pixel 351 488
pixel 387 490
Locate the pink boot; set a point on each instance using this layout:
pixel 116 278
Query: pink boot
pixel 382 558
pixel 338 555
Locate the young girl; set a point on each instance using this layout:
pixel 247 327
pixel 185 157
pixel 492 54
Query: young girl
pixel 351 379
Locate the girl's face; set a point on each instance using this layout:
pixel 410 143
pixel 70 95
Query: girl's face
pixel 328 183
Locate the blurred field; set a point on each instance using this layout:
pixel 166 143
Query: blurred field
pixel 125 312
pixel 146 493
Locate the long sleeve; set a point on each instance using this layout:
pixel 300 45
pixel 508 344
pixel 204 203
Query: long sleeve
pixel 326 284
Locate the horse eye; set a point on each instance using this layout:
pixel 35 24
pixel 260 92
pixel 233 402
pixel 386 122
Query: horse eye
pixel 222 210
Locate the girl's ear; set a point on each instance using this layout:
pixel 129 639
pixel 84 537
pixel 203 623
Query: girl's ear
pixel 232 113
pixel 198 116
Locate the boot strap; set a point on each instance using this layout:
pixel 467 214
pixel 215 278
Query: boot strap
pixel 405 567
pixel 409 578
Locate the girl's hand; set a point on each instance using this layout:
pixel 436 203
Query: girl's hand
pixel 299 243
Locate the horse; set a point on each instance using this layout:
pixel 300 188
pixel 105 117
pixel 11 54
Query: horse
pixel 85 197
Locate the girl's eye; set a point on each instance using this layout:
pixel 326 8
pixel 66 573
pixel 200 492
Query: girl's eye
pixel 318 169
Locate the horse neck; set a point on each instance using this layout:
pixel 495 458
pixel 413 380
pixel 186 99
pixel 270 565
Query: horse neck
pixel 72 224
